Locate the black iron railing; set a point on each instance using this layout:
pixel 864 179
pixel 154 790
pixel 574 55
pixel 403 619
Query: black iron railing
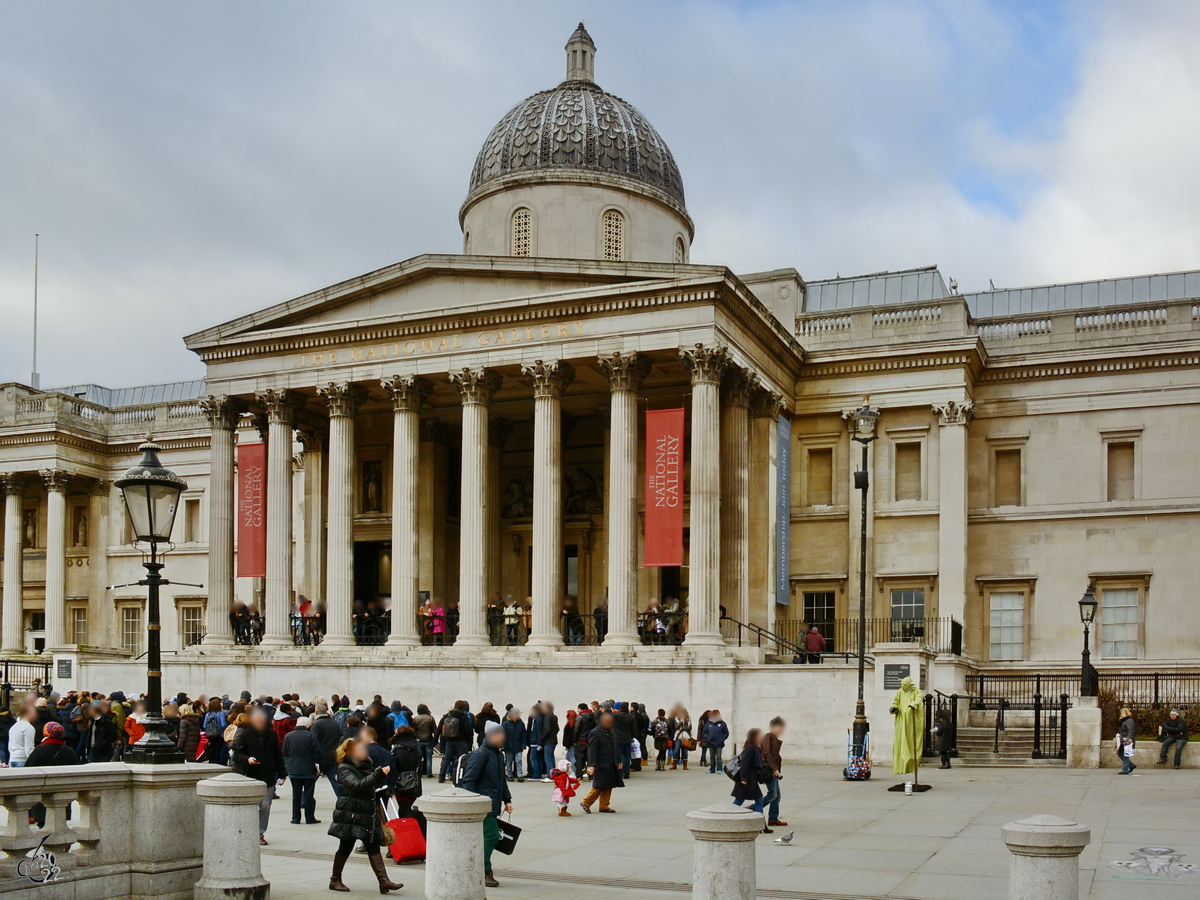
pixel 1050 727
pixel 747 634
pixel 941 635
pixel 1153 689
pixel 1000 707
pixel 1017 691
pixel 936 704
pixel 22 677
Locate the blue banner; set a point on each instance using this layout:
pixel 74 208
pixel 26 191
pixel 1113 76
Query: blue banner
pixel 783 514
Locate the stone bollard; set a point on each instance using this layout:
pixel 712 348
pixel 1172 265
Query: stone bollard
pixel 1045 857
pixel 454 846
pixel 724 865
pixel 232 859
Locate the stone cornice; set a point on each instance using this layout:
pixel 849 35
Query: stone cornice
pixel 962 354
pixel 1064 366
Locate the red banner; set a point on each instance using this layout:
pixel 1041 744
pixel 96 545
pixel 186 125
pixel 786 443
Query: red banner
pixel 252 510
pixel 664 487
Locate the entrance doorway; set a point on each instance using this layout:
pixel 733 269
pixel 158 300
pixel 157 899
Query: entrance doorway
pixel 372 587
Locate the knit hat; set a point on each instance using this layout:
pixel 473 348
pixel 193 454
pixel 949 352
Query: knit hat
pixel 491 727
pixel 1174 712
pixel 54 730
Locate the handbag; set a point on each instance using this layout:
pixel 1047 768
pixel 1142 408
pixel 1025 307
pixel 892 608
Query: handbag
pixel 408 781
pixel 733 768
pixel 201 747
pixel 387 836
pixel 689 743
pixel 509 835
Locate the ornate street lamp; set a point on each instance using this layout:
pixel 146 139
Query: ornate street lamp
pixel 863 422
pixel 151 494
pixel 1087 615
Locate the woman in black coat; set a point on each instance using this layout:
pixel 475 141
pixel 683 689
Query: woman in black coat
pixel 945 738
pixel 751 763
pixel 358 816
pixel 604 765
pixel 407 765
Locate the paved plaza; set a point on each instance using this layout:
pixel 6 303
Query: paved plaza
pixel 851 840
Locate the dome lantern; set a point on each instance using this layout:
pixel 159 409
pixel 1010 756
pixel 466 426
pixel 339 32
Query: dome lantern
pixel 581 56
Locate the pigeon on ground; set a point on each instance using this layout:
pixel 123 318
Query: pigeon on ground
pixel 786 839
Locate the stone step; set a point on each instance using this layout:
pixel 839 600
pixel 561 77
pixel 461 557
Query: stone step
pixel 1005 762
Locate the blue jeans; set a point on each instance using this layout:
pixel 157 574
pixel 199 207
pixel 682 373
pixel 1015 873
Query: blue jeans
pixel 548 758
pixel 425 748
pixel 771 798
pixel 1127 765
pixel 625 748
pixel 514 763
pixel 715 760
pixel 535 763
pixel 329 772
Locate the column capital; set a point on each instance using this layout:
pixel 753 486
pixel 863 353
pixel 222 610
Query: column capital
pixel 342 399
pixel 955 412
pixel 705 363
pixel 476 385
pixel 737 384
pixel 13 483
pixel 99 487
pixel 765 403
pixel 262 425
pixel 625 372
pixel 549 379
pixel 313 440
pixel 408 392
pixel 281 406
pixel 500 430
pixel 222 412
pixel 56 479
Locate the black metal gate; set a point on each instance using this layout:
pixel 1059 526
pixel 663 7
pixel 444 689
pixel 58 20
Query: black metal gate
pixel 1050 727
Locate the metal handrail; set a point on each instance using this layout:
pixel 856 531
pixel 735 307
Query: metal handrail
pixel 999 724
pixel 782 643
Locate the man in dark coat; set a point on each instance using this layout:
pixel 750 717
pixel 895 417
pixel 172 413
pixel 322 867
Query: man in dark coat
pixel 485 775
pixel 329 735
pixel 101 737
pixel 302 759
pixel 604 765
pixel 255 753
pixel 623 727
pixel 455 731
pixel 548 739
pixel 584 723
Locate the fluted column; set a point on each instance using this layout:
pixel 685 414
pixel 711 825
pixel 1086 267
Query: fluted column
pixel 736 385
pixel 408 393
pixel 549 380
pixel 476 386
pixel 953 417
pixel 12 632
pixel 56 481
pixel 625 375
pixel 704 548
pixel 281 407
pixel 343 401
pixel 499 430
pixel 222 413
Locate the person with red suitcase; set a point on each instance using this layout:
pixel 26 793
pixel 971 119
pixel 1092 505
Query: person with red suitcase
pixel 408 823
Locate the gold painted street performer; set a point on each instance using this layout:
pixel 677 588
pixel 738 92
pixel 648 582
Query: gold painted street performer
pixel 908 711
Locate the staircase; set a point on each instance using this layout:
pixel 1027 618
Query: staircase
pixel 977 742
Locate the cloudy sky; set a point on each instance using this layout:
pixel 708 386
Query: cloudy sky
pixel 188 163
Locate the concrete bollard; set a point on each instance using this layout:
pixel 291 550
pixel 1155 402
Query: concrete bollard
pixel 724 863
pixel 1045 857
pixel 232 858
pixel 454 847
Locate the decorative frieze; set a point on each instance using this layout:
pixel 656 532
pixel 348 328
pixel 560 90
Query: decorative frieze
pixel 549 379
pixel 706 364
pixel 954 412
pixel 625 372
pixel 408 392
pixel 476 385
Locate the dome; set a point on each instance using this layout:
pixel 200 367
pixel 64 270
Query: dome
pixel 577 129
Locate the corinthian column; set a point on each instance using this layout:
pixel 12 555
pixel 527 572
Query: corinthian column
pixel 625 376
pixel 952 507
pixel 408 393
pixel 549 380
pixel 476 386
pixel 281 407
pixel 56 555
pixel 222 413
pixel 704 550
pixel 11 627
pixel 736 386
pixel 343 401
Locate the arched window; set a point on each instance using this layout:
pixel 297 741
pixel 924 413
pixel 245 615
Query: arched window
pixel 614 235
pixel 680 251
pixel 522 233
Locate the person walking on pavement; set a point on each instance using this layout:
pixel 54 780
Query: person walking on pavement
pixel 455 732
pixel 302 758
pixel 1126 729
pixel 255 754
pixel 772 751
pixel 549 739
pixel 604 765
pixel 485 775
pixel 357 815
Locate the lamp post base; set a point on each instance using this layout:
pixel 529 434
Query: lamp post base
pixel 154 747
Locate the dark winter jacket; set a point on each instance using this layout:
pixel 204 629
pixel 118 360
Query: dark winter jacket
pixel 51 754
pixel 603 757
pixel 301 753
pixel 406 757
pixel 45 715
pixel 485 775
pixel 380 757
pixel 584 724
pixel 716 733
pixel 515 735
pixel 455 726
pixel 329 735
pixel 747 787
pixel 944 741
pixel 250 743
pixel 1126 728
pixel 549 729
pixel 534 725
pixel 356 814
pixel 481 720
pixel 424 726
pixel 101 738
pixel 188 741
pixel 1175 729
pixel 624 725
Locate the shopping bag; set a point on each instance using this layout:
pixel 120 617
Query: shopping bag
pixel 635 750
pixel 410 843
pixel 202 747
pixel 509 834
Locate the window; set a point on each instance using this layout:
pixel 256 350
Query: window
pixel 908 471
pixel 908 614
pixel 680 251
pixel 614 235
pixel 131 630
pixel 1007 625
pixel 820 477
pixel 1120 470
pixel 191 624
pixel 1119 623
pixel 191 520
pixel 819 610
pixel 79 635
pixel 522 233
pixel 1007 469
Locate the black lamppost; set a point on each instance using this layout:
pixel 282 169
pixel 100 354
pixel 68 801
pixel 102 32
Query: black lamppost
pixel 151 495
pixel 863 421
pixel 1087 615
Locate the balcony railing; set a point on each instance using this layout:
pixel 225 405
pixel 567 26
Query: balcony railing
pixel 1153 689
pixel 941 635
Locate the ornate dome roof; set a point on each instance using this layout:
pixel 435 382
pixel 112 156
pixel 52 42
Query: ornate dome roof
pixel 577 127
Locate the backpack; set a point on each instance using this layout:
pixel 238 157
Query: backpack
pixel 662 728
pixel 733 768
pixel 340 716
pixel 460 768
pixel 399 719
pixel 452 728
pixel 212 726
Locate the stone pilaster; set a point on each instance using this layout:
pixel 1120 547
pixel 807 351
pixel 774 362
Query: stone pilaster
pixel 625 373
pixel 56 481
pixel 764 512
pixel 408 393
pixel 222 414
pixel 706 365
pixel 281 408
pixel 953 416
pixel 476 387
pixel 12 631
pixel 343 401
pixel 549 381
pixel 101 622
pixel 736 387
pixel 499 431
